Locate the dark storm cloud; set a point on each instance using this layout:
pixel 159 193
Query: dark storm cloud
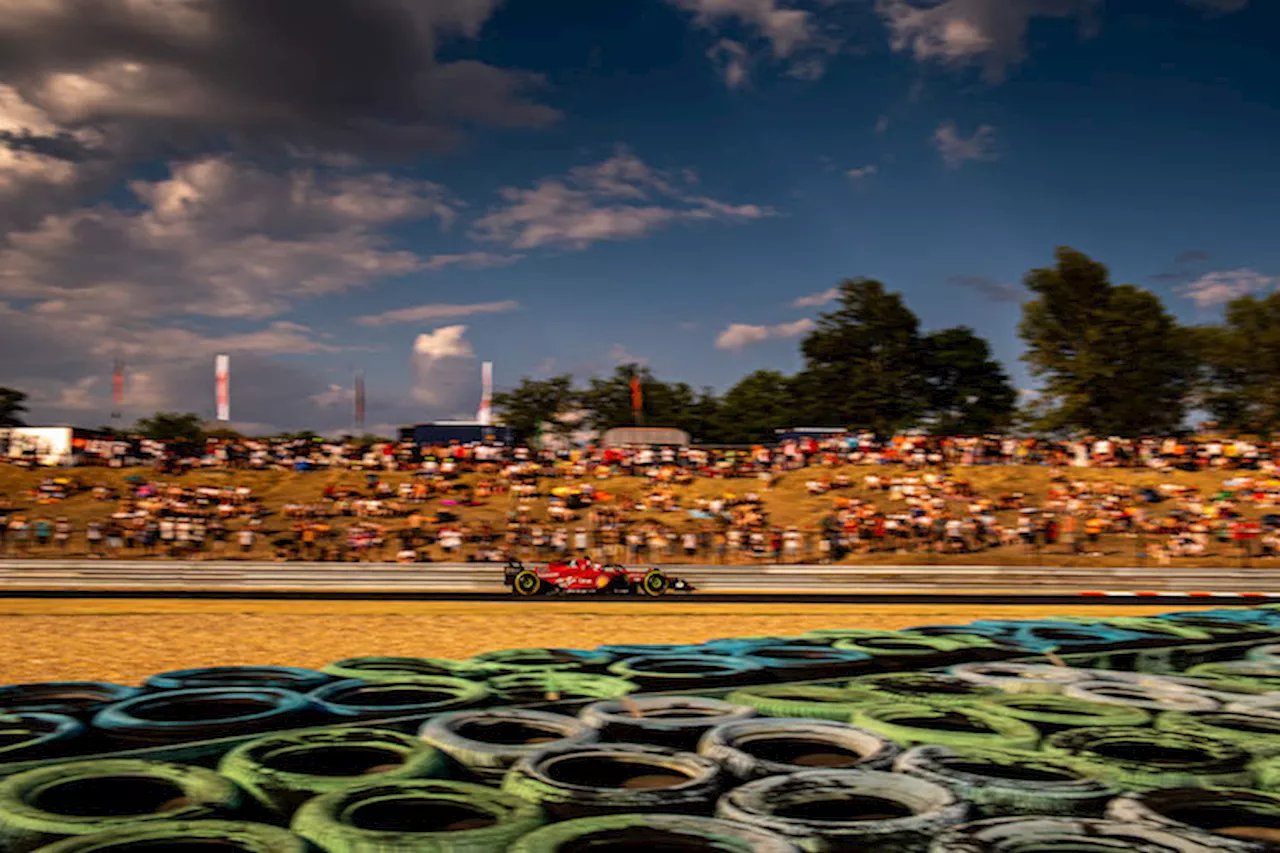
pixel 989 288
pixel 58 146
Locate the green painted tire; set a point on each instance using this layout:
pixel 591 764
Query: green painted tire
pixel 1202 810
pixel 1011 677
pixel 528 687
pixel 544 660
pixel 924 687
pixel 894 644
pixel 910 724
pixel 44 805
pixel 375 668
pixel 416 816
pixel 281 772
pixel 814 701
pixel 657 832
pixel 1051 714
pixel 1144 759
pixel 1251 673
pixel 354 699
pixel 222 835
pixel 1071 835
pixel 488 742
pixel 1258 734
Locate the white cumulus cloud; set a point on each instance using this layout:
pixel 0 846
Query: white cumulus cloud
pixel 740 335
pixel 436 311
pixel 813 300
pixel 957 149
pixel 1218 288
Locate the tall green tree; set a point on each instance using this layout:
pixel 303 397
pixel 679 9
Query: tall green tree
pixel 608 401
pixel 864 362
pixel 171 426
pixel 968 391
pixel 13 405
pixel 758 404
pixel 534 402
pixel 1240 382
pixel 1111 359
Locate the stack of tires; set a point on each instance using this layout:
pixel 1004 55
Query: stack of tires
pixel 999 746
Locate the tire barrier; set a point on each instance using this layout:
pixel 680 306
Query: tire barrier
pixel 1249 673
pixel 753 749
pixel 1053 634
pixel 72 698
pixel 28 736
pixel 206 713
pixel 1150 625
pixel 47 804
pixel 926 687
pixel 894 644
pixel 405 669
pixel 646 649
pixel 1018 677
pixel 416 815
pixel 1268 773
pixel 846 809
pixel 915 725
pixel 651 833
pixel 1260 735
pixel 997 783
pixel 221 835
pixel 798 662
pixel 524 687
pixel 677 672
pixel 1268 654
pixel 616 778
pixel 813 701
pixel 284 677
pixel 1249 818
pixel 354 699
pixel 1143 760
pixel 545 660
pixel 1076 835
pixel 677 722
pixel 1139 696
pixel 281 772
pixel 487 743
pixel 1219 690
pixel 1050 714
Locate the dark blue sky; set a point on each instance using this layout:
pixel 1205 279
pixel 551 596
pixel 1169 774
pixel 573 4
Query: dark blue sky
pixel 582 183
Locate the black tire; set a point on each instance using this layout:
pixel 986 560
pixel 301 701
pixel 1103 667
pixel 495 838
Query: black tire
pixel 526 584
pixel 1141 759
pixel 358 700
pixel 997 783
pixel 600 779
pixel 645 833
pixel 406 669
pixel 1011 677
pixel 1077 835
pixel 753 749
pixel 487 743
pixel 1140 696
pixel 676 722
pixel 846 809
pixel 281 772
pixel 918 724
pixel 1258 734
pixel 73 698
pixel 285 677
pixel 31 735
pixel 520 688
pixel 1247 818
pixel 812 701
pixel 223 835
pixel 181 716
pixel 676 672
pixel 1052 714
pixel 925 687
pixel 545 660
pixel 416 815
pixel 802 662
pixel 41 806
pixel 655 583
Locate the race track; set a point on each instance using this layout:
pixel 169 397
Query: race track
pixel 480 581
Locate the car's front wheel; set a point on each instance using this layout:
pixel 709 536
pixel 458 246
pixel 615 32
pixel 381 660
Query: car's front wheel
pixel 655 583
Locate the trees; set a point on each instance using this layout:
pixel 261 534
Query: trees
pixel 751 410
pixel 1111 359
pixel 607 401
pixel 968 392
pixel 1240 380
pixel 534 402
pixel 12 407
pixel 171 426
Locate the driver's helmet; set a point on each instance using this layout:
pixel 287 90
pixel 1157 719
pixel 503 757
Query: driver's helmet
pixel 584 562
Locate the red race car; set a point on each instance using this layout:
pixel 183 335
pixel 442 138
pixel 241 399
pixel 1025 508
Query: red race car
pixel 586 577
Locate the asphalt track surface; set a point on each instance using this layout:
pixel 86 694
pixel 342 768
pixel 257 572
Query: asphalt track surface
pixel 1050 585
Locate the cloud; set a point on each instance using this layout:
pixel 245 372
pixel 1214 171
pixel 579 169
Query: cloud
pixel 470 260
pixel 618 199
pixel 965 32
pixel 619 354
pixel 882 124
pixel 748 29
pixel 445 376
pixel 813 300
pixel 1218 288
pixel 739 335
pixel 436 311
pixel 957 150
pixel 861 172
pixel 733 62
pixel 989 288
pixel 786 29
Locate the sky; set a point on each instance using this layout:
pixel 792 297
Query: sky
pixel 410 187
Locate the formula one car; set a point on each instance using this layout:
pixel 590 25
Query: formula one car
pixel 587 577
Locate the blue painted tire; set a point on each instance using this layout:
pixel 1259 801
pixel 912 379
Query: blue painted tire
pixel 72 698
pixel 383 700
pixel 34 735
pixel 180 716
pixel 676 672
pixel 284 677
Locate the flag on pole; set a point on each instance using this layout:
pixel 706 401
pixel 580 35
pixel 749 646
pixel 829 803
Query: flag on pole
pixel 360 401
pixel 637 398
pixel 485 415
pixel 222 386
pixel 117 387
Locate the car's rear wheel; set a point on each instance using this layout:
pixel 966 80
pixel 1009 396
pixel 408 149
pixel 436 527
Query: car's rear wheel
pixel 526 584
pixel 655 583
